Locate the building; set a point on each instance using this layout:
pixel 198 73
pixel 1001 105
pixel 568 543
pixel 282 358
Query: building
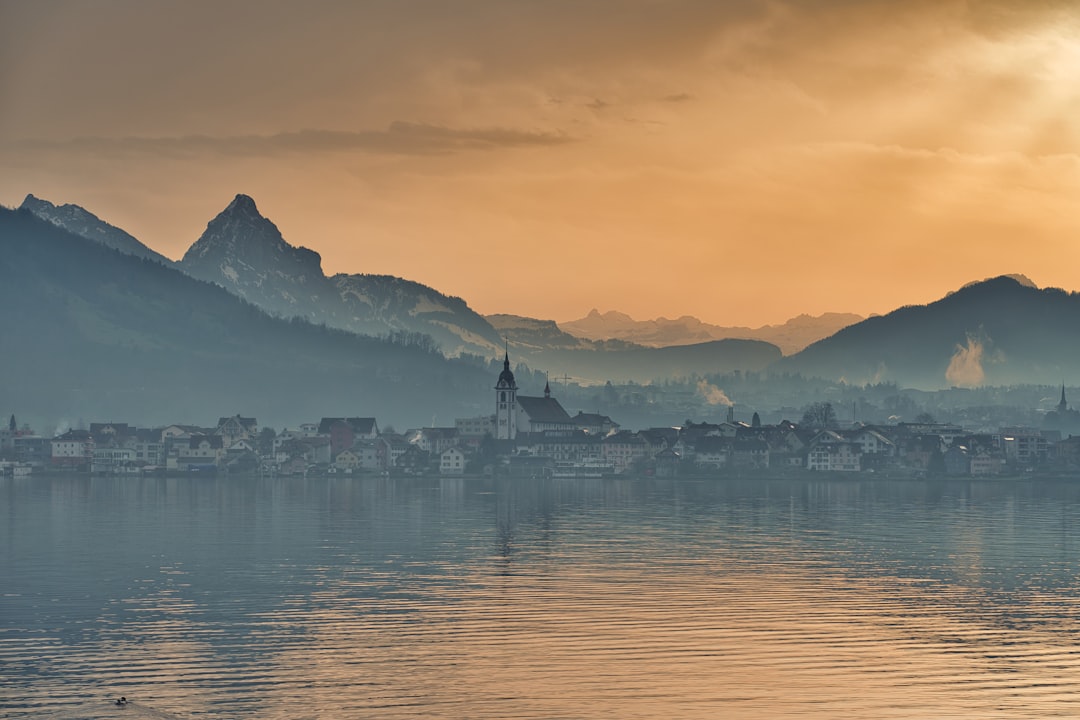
pixel 475 427
pixel 346 432
pixel 74 449
pixel 452 462
pixel 506 403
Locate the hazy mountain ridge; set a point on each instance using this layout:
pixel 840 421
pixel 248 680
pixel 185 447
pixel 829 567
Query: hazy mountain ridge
pixel 790 337
pixel 1012 333
pixel 994 332
pixel 245 253
pixel 82 222
pixel 545 345
pixel 104 334
pixel 389 302
pixel 530 334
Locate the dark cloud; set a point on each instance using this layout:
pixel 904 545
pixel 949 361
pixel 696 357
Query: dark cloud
pixel 401 138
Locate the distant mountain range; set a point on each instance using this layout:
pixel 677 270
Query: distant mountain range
pixel 245 253
pixel 999 331
pixel 790 337
pixel 544 343
pixel 95 332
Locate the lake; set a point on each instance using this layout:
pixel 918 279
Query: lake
pixel 479 598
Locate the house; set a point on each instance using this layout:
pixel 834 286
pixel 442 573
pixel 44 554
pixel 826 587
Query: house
pixel 149 448
pixel 113 460
pixel 310 450
pixel 390 448
pixel 435 439
pixel 595 423
pixel 833 456
pixel 560 445
pixel 666 463
pixel 713 452
pixel 750 453
pixel 201 450
pixel 347 460
pixel 658 439
pixel 957 460
pixel 623 450
pixel 475 427
pixel 236 428
pixel 986 462
pixel 73 450
pixel 452 462
pixel 344 432
pixel 1025 446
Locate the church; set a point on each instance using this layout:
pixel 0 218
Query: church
pixel 516 414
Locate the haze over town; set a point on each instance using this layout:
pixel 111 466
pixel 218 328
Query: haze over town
pixel 740 162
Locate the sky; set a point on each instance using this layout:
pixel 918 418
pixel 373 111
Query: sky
pixel 742 161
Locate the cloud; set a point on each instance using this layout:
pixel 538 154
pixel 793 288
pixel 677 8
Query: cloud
pixel 965 368
pixel 712 394
pixel 400 138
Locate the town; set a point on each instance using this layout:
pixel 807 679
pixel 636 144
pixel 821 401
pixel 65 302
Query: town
pixel 534 436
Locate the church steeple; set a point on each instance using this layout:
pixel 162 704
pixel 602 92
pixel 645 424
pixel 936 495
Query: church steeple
pixel 547 389
pixel 506 402
pixel 1062 406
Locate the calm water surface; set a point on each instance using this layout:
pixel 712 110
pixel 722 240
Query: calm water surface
pixel 640 598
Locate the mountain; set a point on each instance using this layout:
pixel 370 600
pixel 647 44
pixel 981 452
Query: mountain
pixel 245 253
pixel 543 345
pixel 82 222
pixel 791 336
pixel 381 303
pixel 1000 331
pixel 530 335
pixel 103 334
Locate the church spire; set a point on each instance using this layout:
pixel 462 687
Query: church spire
pixel 547 389
pixel 1062 406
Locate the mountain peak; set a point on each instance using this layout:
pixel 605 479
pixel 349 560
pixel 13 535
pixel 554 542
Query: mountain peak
pixel 82 222
pixel 244 252
pixel 1018 278
pixel 243 204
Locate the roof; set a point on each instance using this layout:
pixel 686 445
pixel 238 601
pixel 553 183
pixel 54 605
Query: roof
pixel 363 426
pixel 245 422
pixel 543 410
pixel 592 419
pixel 506 377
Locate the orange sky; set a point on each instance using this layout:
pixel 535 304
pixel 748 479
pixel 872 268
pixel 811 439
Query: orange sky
pixel 741 161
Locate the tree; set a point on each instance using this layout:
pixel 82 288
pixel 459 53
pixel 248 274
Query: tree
pixel 925 418
pixel 11 424
pixel 265 441
pixel 819 415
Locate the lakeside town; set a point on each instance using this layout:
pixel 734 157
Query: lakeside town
pixel 536 437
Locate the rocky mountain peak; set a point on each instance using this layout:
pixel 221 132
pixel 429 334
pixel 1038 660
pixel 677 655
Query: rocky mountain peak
pixel 245 252
pixel 243 204
pixel 84 223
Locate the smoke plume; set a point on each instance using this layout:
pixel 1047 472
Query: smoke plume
pixel 965 368
pixel 712 394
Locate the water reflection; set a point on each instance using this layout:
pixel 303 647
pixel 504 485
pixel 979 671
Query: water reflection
pixel 486 598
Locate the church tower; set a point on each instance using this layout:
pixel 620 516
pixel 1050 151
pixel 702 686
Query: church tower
pixel 506 403
pixel 1062 406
